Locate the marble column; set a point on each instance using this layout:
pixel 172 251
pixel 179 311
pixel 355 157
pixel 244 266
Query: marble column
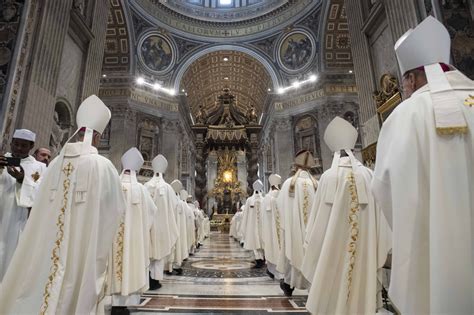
pixel 201 173
pixel 401 16
pixel 252 165
pixel 363 72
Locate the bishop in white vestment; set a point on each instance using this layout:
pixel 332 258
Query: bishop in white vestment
pixel 190 224
pixel 164 233
pixel 424 178
pixel 17 193
pixel 294 203
pixel 181 248
pixel 60 264
pixel 349 238
pixel 130 258
pixel 252 223
pixel 271 226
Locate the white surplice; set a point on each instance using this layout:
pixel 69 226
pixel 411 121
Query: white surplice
pixel 424 182
pixel 270 227
pixel 60 262
pixel 164 231
pixel 130 259
pixel 327 261
pixel 252 222
pixel 294 214
pixel 15 198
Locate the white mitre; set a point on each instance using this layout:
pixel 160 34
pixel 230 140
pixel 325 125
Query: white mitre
pixel 93 114
pixel 24 134
pixel 183 195
pixel 159 164
pixel 428 45
pixel 274 180
pixel 132 160
pixel 177 186
pixel 340 135
pixel 257 185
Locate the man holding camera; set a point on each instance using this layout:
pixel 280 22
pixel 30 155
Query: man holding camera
pixel 20 175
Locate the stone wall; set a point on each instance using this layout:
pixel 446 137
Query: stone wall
pixel 60 60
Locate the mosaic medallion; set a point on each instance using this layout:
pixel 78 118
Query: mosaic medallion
pixel 296 51
pixel 156 53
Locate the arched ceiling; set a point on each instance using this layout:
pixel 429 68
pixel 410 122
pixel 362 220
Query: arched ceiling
pixel 246 78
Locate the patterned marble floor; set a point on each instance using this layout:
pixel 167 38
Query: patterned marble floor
pixel 219 279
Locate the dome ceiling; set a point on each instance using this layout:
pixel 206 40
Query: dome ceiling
pixel 223 10
pixel 246 78
pixel 196 20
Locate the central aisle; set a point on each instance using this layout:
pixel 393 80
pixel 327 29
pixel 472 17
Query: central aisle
pixel 219 279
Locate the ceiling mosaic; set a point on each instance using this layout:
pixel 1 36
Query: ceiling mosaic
pixel 246 78
pixel 337 42
pixel 116 55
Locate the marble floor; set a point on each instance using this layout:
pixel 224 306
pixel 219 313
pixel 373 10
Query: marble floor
pixel 219 279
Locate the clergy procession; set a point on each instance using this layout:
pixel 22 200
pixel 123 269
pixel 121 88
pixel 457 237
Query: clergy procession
pixel 78 237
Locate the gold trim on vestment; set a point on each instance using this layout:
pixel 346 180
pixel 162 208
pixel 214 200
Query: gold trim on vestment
pixel 443 131
pixel 305 203
pixel 354 230
pixel 67 170
pixel 119 254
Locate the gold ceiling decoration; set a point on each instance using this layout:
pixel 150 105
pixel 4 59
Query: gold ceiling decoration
pixel 241 73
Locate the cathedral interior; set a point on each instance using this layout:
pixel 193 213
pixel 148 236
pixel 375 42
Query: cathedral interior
pixel 227 90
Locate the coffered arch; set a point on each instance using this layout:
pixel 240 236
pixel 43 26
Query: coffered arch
pixel 246 77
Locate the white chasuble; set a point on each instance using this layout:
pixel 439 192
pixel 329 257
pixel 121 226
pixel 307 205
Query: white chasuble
pixel 295 210
pixel 190 225
pixel 253 222
pixel 181 248
pixel 60 263
pixel 129 261
pixel 270 227
pixel 15 198
pixel 347 243
pixel 424 182
pixel 164 232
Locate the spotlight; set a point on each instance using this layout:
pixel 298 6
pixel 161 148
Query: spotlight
pixel 350 71
pixel 156 86
pixel 104 76
pixel 226 78
pixel 171 92
pixel 225 59
pixel 296 84
pixel 183 90
pixel 269 90
pixel 140 81
pixel 312 78
pixel 281 90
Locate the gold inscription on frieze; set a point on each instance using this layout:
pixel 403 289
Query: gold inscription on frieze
pixel 211 31
pixel 114 92
pixel 152 100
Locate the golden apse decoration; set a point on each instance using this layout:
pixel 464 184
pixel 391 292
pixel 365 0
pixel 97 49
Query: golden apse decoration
pixel 386 99
pixel 227 188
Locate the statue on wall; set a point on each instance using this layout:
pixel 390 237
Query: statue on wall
pixel 252 115
pixel 201 116
pixel 58 136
